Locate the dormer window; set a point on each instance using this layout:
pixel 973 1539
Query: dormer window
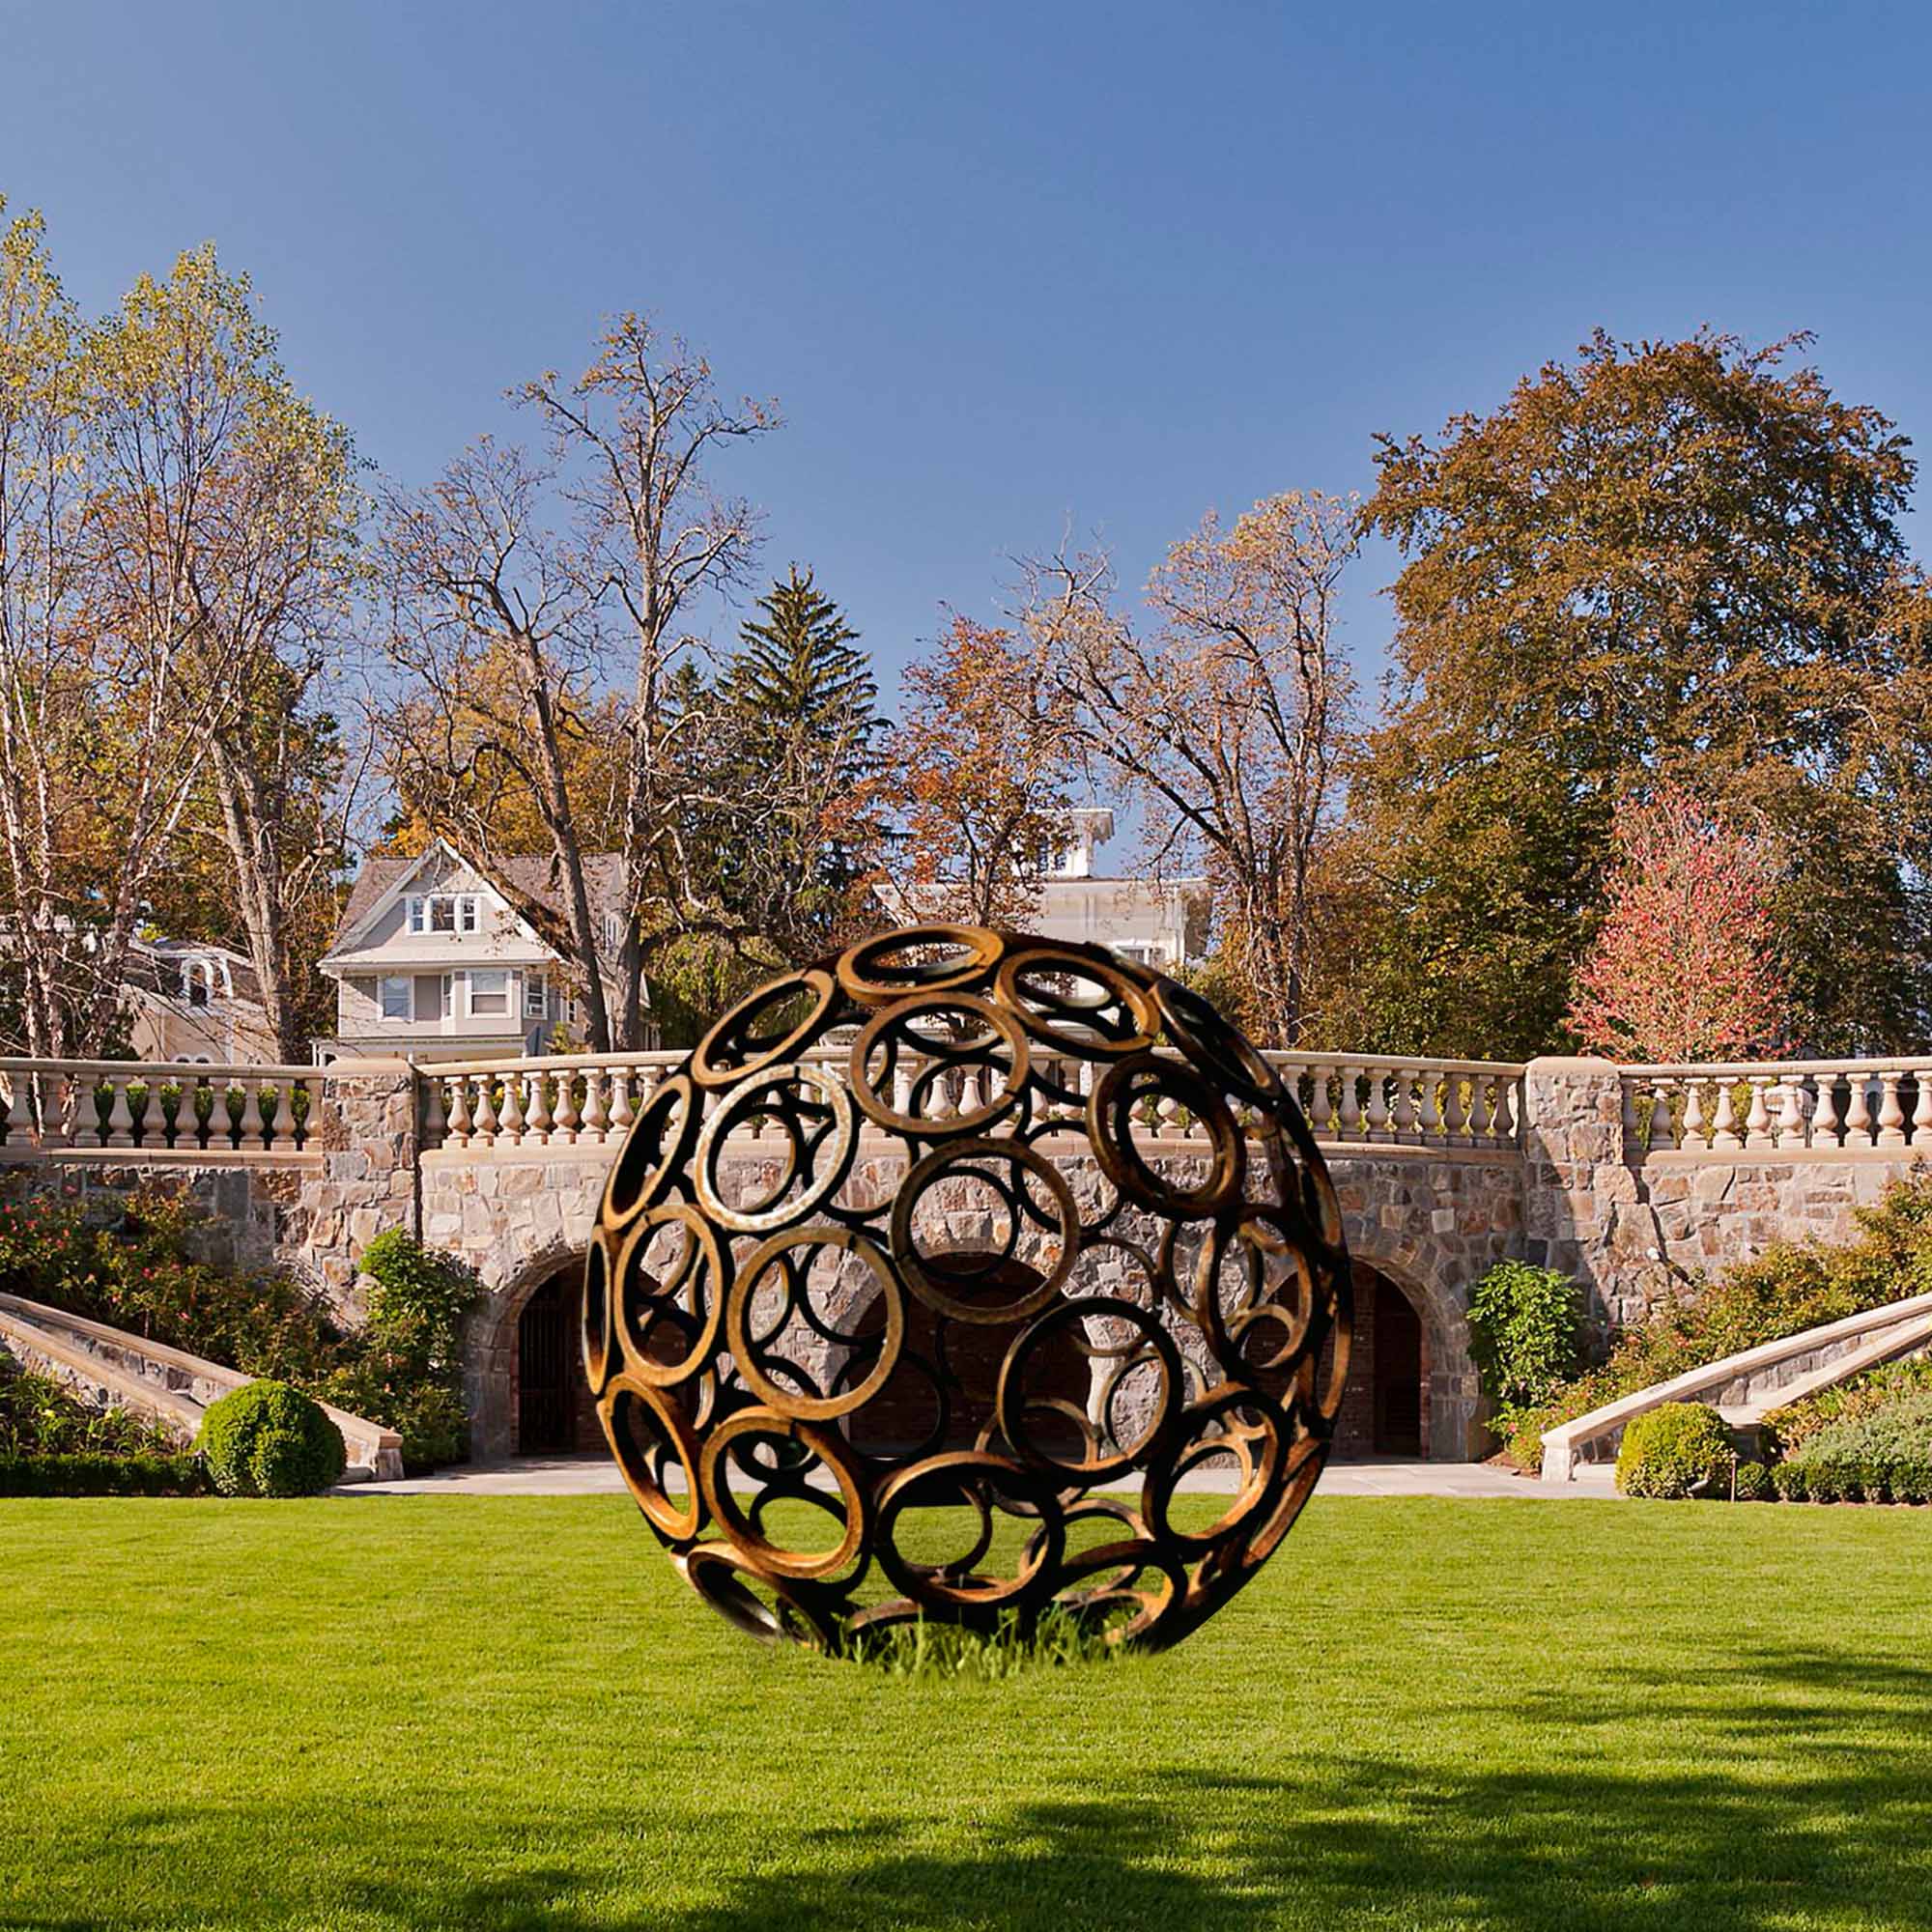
pixel 444 912
pixel 204 981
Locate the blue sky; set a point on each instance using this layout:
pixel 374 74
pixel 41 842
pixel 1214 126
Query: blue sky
pixel 1003 265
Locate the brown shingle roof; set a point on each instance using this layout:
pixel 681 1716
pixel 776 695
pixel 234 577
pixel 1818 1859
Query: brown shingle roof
pixel 529 875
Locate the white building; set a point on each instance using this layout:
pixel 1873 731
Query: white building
pixel 431 957
pixel 1161 923
pixel 190 1001
pixel 1156 922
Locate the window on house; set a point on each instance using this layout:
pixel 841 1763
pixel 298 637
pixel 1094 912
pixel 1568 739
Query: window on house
pixel 432 996
pixel 444 912
pixel 533 996
pixel 198 982
pixel 394 990
pixel 489 994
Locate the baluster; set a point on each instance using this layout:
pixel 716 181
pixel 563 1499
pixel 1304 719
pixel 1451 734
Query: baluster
pixel 1757 1122
pixel 1890 1116
pixel 537 1117
pixel 484 1132
pixel 1403 1116
pixel 622 1113
pixel 1662 1132
pixel 435 1122
pixel 1318 1112
pixel 1377 1115
pixel 460 1124
pixel 1724 1123
pixel 596 1113
pixel 85 1128
pixel 969 1091
pixel 1921 1107
pixel 903 1085
pixel 1825 1121
pixel 1792 1128
pixel 1509 1110
pixel 1857 1114
pixel 120 1117
pixel 1695 1135
pixel 6 1108
pixel 564 1117
pixel 510 1115
pixel 1431 1107
pixel 1348 1122
pixel 1477 1126
pixel 1633 1127
pixel 1454 1118
pixel 251 1131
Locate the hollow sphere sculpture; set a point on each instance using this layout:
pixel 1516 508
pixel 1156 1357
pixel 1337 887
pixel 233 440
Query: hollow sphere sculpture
pixel 967 1221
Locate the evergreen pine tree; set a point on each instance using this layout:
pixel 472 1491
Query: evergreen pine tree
pixel 797 666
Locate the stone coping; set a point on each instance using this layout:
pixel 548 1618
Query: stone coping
pixel 291 1160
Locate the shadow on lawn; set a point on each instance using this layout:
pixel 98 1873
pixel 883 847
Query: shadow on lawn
pixel 1828 1821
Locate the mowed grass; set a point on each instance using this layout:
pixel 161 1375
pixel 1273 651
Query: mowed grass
pixel 493 1712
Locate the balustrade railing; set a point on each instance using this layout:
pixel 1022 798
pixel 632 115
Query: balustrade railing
pixel 157 1106
pixel 1817 1104
pixel 591 1099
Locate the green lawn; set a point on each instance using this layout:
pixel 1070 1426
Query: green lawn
pixel 472 1712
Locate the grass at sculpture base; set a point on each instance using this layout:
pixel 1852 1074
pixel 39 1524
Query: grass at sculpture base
pixel 473 1712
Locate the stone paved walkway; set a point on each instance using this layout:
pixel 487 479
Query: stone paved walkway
pixel 597 1475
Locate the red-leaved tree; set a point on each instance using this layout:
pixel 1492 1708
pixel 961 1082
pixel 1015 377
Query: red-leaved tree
pixel 1686 965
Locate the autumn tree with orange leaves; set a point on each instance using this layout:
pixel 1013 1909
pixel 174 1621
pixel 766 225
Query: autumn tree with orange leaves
pixel 976 780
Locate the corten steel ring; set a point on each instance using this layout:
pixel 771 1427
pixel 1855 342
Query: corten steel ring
pixel 970 1222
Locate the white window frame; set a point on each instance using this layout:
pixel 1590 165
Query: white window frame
pixel 534 990
pixel 470 981
pixel 407 981
pixel 466 913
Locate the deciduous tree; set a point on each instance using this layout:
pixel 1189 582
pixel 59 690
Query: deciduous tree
pixel 1670 559
pixel 1220 715
pixel 1684 965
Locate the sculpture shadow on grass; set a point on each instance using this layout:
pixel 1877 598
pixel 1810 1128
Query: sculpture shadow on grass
pixel 1816 1812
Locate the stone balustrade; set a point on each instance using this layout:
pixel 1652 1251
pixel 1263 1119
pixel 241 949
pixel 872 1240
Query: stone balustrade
pixel 1812 1105
pixel 592 1100
pixel 157 1108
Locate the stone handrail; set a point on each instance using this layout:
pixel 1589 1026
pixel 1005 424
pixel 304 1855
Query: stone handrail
pixel 590 1100
pixel 1749 1385
pixel 156 1106
pixel 1816 1104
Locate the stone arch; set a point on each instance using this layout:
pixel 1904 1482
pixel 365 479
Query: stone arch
pixel 1424 1281
pixel 490 1341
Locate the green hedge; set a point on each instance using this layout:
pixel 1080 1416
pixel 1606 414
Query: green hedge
pixel 267 1439
pixel 1881 1454
pixel 84 1475
pixel 1672 1452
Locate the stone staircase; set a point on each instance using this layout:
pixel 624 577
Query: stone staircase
pixel 1746 1387
pixel 108 1368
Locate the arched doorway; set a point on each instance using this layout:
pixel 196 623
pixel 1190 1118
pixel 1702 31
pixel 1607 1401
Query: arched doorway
pixel 554 1412
pixel 905 1413
pixel 1385 1401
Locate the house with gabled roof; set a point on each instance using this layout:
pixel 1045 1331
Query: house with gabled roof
pixel 433 958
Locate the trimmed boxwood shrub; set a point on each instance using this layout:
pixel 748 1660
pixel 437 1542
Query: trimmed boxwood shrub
pixel 1788 1480
pixel 1753 1483
pixel 1672 1451
pixel 98 1475
pixel 268 1439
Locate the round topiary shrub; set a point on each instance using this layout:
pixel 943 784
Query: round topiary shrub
pixel 1788 1479
pixel 1753 1483
pixel 268 1439
pixel 1671 1452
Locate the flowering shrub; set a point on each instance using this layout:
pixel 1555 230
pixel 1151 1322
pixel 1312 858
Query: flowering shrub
pixel 40 1417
